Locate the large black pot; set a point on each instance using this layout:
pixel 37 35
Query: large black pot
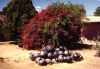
pixel 42 62
pixel 48 61
pixel 77 57
pixel 43 54
pixel 50 55
pixel 49 48
pixel 60 58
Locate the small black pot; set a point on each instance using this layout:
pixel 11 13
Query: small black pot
pixel 37 59
pixel 57 49
pixel 37 55
pixel 61 48
pixel 66 53
pixel 32 57
pixel 68 59
pixel 55 54
pixel 54 60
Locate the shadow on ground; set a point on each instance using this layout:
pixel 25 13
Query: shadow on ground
pixel 13 42
pixel 78 46
pixel 75 46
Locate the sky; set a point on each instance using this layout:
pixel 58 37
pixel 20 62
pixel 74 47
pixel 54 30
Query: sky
pixel 90 5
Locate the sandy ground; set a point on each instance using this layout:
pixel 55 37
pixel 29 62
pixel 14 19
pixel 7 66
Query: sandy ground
pixel 13 57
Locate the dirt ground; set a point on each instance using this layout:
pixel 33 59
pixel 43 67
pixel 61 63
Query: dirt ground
pixel 13 57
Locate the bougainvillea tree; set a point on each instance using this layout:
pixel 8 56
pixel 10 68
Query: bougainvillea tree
pixel 59 24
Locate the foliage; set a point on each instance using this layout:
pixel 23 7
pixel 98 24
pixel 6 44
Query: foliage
pixel 17 13
pixel 59 24
pixel 0 29
pixel 2 17
pixel 97 12
pixel 97 41
pixel 97 46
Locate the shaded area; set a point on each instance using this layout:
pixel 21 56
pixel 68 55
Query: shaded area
pixel 74 46
pixel 78 46
pixel 13 42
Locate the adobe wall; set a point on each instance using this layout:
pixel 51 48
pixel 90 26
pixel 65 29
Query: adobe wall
pixel 92 29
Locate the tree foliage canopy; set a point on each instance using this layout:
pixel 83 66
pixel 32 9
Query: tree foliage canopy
pixel 17 13
pixel 97 11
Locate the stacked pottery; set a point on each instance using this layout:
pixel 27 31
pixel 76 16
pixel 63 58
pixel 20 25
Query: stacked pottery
pixel 51 55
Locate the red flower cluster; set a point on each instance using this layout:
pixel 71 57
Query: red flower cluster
pixel 56 25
